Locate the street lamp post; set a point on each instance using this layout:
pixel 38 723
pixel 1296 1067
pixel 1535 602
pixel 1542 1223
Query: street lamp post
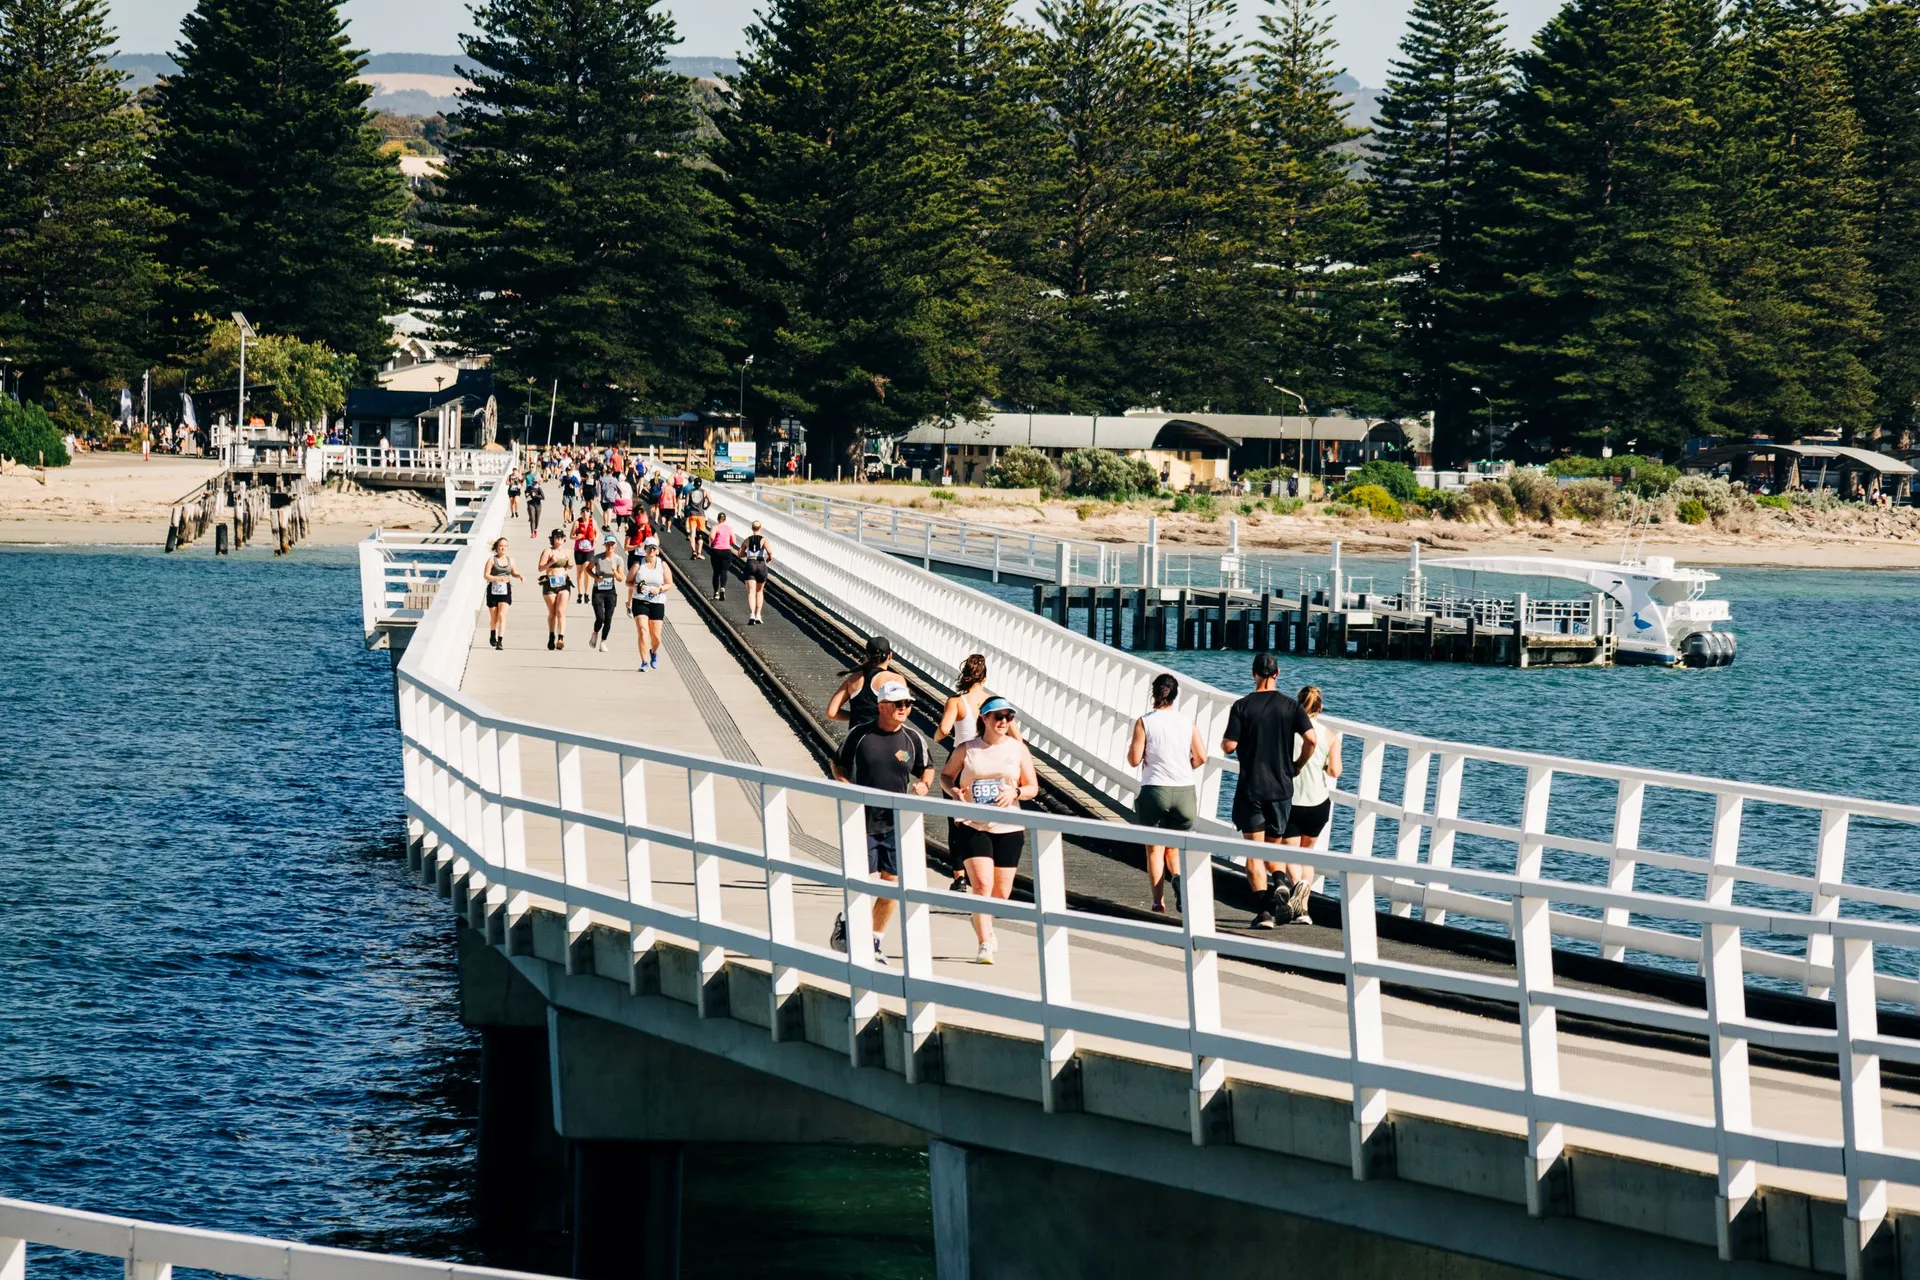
pixel 240 419
pixel 1312 424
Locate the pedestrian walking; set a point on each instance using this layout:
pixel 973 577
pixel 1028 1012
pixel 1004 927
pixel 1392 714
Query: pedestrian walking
pixel 647 585
pixel 500 573
pixel 1312 791
pixel 1272 738
pixel 1166 748
pixel 757 562
pixel 721 549
pixel 554 585
pixel 856 700
pixel 606 574
pixel 887 754
pixel 994 769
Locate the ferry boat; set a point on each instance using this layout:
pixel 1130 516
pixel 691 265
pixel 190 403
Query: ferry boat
pixel 1657 611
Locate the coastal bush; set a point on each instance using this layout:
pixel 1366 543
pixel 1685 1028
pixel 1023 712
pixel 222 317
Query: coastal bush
pixel 1023 468
pixel 1375 500
pixel 1394 477
pixel 1495 495
pixel 1588 499
pixel 1691 511
pixel 1535 495
pixel 1648 477
pixel 1258 478
pixel 28 435
pixel 944 495
pixel 1720 497
pixel 1446 504
pixel 1197 504
pixel 1778 501
pixel 1813 499
pixel 1285 506
pixel 1102 473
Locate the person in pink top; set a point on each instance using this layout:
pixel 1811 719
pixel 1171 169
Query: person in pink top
pixel 721 549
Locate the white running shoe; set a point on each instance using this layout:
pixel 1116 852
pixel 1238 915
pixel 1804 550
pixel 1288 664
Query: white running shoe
pixel 985 954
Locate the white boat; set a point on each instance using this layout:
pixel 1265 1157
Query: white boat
pixel 1658 612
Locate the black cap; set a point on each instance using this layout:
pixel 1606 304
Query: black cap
pixel 1265 665
pixel 878 646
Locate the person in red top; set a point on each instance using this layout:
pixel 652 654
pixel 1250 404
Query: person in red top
pixel 584 542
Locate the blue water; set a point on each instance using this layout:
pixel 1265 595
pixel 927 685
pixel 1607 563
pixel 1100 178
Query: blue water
pixel 1822 696
pixel 222 1001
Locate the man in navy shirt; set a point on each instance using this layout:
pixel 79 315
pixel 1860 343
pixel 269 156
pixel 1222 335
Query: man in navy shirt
pixel 887 754
pixel 1261 729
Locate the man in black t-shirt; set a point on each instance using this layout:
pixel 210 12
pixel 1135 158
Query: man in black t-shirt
pixel 887 754
pixel 1261 729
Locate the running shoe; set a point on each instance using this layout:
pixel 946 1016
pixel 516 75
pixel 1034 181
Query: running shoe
pixel 1298 899
pixel 1263 919
pixel 549 642
pixel 984 955
pixel 879 954
pixel 838 938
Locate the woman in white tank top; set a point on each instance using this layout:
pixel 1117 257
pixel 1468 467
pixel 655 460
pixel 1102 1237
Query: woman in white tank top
pixel 1166 748
pixel 960 721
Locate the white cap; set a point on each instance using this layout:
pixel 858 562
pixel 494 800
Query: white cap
pixel 893 691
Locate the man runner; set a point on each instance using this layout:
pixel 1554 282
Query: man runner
pixel 887 754
pixel 1261 729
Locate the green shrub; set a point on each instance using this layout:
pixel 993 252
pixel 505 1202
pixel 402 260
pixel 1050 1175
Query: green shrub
pixel 1494 494
pixel 1199 504
pixel 1285 506
pixel 1375 500
pixel 1647 477
pixel 1259 477
pixel 945 495
pixel 1535 494
pixel 1588 499
pixel 1778 501
pixel 28 435
pixel 1102 473
pixel 1023 468
pixel 1691 511
pixel 1394 477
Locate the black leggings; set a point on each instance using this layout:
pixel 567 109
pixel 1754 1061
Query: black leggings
pixel 533 514
pixel 603 603
pixel 722 562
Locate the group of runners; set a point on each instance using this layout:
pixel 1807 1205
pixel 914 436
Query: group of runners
pixel 615 509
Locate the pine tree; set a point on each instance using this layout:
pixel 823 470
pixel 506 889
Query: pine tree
pixel 1428 150
pixel 1881 49
pixel 1794 219
pixel 1087 198
pixel 853 223
pixel 1589 271
pixel 1323 305
pixel 274 174
pixel 78 231
pixel 572 235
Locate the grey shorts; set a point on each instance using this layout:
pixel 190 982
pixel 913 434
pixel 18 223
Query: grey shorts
pixel 1170 808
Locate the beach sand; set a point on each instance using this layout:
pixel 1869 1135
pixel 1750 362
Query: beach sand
pixel 115 499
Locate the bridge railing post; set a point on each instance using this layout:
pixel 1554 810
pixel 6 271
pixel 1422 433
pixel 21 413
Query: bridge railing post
pixel 513 831
pixel 1737 1217
pixel 1829 868
pixel 1532 926
pixel 1370 1140
pixel 703 826
pixel 1857 1018
pixel 13 1258
pixel 1628 801
pixel 639 858
pixel 1413 797
pixel 921 1048
pixel 787 1018
pixel 863 1002
pixel 1208 1110
pixel 573 835
pixel 1059 1082
pixel 1446 807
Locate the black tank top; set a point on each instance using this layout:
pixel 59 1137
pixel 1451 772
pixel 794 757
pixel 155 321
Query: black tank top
pixel 863 707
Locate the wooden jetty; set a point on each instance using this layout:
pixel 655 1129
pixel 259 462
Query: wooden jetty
pixel 1159 618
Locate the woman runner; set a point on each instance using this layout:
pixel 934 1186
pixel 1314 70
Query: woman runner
pixel 647 587
pixel 535 496
pixel 1312 796
pixel 607 575
pixel 758 553
pixel 1166 749
pixel 513 496
pixel 721 546
pixel 960 721
pixel 500 576
pixel 584 535
pixel 994 769
pixel 855 701
pixel 554 585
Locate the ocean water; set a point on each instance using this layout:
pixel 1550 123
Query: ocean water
pixel 222 1001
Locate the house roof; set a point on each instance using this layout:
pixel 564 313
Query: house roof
pixel 1075 431
pixel 1840 457
pixel 378 402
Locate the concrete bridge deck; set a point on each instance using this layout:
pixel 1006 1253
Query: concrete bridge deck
pixel 702 702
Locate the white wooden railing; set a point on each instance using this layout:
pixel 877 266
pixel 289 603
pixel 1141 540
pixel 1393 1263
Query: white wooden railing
pixel 401 570
pixel 357 460
pixel 463 766
pixel 151 1250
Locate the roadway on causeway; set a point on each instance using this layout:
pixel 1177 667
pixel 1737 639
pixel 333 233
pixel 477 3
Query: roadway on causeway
pixel 701 700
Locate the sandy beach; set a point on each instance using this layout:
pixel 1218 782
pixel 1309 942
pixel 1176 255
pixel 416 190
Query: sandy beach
pixel 115 499
pixel 1849 538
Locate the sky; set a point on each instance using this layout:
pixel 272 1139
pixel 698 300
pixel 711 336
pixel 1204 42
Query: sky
pixel 1368 30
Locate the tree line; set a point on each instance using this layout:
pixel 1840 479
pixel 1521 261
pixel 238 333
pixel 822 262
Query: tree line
pixel 1661 219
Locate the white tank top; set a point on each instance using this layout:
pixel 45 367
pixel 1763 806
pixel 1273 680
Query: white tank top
pixel 966 728
pixel 1168 761
pixel 1310 785
pixel 651 579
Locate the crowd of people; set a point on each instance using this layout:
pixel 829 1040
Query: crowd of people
pixel 613 509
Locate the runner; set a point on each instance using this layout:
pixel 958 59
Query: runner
pixel 554 585
pixel 854 701
pixel 607 575
pixel 535 497
pixel 500 575
pixel 569 490
pixel 888 755
pixel 758 553
pixel 993 769
pixel 1166 749
pixel 665 502
pixel 1312 794
pixel 722 548
pixel 647 585
pixel 584 541
pixel 697 503
pixel 1263 728
pixel 960 719
pixel 513 496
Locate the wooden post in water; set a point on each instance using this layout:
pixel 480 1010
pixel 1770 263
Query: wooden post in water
pixel 1300 635
pixel 1220 635
pixel 1182 639
pixel 1093 613
pixel 1265 638
pixel 1472 619
pixel 1139 619
pixel 1427 648
pixel 1520 630
pixel 1061 604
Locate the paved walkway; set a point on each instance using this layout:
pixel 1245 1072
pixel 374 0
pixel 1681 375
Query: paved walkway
pixel 701 700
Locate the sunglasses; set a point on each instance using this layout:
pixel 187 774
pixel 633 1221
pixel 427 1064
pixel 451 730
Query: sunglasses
pixel 1002 715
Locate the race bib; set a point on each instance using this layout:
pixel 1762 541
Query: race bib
pixel 496 588
pixel 556 580
pixel 987 790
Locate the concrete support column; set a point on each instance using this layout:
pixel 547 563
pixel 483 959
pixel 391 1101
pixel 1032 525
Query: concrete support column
pixel 626 1210
pixel 520 1174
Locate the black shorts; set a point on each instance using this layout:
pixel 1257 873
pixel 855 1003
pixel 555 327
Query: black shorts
pixel 503 597
pixel 581 557
pixel 548 589
pixel 1004 847
pixel 655 609
pixel 1310 820
pixel 883 851
pixel 757 570
pixel 1250 815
